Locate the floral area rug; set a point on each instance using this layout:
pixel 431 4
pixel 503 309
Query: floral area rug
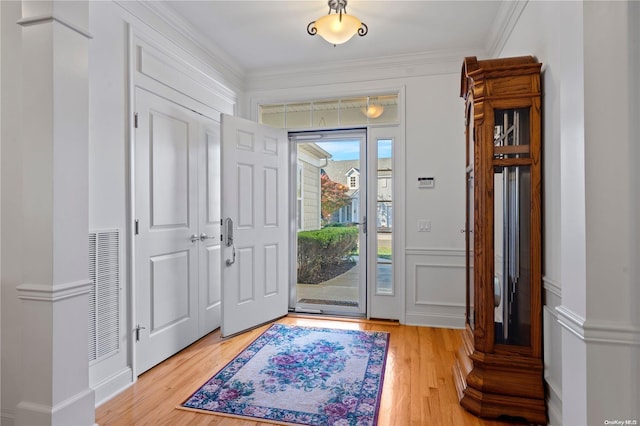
pixel 301 375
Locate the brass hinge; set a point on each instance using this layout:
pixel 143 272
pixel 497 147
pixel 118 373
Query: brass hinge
pixel 135 120
pixel 136 227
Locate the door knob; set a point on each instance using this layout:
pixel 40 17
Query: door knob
pixel 204 236
pixel 194 238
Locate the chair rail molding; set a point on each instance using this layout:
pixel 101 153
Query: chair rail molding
pixel 605 332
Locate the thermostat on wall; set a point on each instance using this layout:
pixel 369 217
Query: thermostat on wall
pixel 426 182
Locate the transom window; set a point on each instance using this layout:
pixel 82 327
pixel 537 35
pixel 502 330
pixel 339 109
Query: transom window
pixel 331 113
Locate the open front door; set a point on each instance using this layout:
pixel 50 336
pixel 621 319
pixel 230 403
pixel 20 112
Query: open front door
pixel 255 208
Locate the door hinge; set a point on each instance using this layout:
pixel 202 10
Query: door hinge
pixel 137 329
pixel 136 227
pixel 135 120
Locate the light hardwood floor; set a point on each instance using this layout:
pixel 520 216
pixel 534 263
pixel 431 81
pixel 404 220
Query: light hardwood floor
pixel 418 384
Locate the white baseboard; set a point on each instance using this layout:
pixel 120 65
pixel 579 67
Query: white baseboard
pixel 7 418
pixel 437 320
pixel 113 385
pixel 554 407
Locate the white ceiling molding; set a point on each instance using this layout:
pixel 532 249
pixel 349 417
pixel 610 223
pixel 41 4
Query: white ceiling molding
pixel 345 71
pixel 506 19
pixel 381 68
pixel 224 67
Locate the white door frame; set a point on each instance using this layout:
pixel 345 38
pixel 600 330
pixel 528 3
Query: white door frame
pixel 381 305
pixel 387 306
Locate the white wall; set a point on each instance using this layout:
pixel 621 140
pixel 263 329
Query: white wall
pixel 11 170
pixel 117 28
pixel 552 32
pixel 109 118
pixel 590 56
pixel 108 177
pixel 112 26
pixel 434 146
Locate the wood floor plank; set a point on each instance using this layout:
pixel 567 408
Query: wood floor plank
pixel 418 383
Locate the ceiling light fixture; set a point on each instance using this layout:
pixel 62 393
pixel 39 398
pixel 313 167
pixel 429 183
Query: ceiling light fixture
pixel 337 28
pixel 373 111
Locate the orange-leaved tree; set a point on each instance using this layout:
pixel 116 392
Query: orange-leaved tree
pixel 333 196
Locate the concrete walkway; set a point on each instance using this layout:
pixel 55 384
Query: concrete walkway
pixel 344 288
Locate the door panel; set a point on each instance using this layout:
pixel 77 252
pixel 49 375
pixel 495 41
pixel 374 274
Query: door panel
pixel 254 178
pixel 169 290
pixel 210 285
pixel 169 152
pixel 166 208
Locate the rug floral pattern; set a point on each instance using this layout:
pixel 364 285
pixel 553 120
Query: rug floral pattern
pixel 301 375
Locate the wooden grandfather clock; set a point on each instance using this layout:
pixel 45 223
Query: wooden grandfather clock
pixel 499 369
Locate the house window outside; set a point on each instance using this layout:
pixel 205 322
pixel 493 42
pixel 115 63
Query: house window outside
pixel 353 182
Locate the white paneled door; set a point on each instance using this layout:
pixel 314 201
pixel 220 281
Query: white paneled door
pixel 256 224
pixel 177 228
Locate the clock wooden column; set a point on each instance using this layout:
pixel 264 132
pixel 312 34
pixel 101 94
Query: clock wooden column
pixel 499 368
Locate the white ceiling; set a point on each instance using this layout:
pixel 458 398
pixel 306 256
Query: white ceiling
pixel 270 35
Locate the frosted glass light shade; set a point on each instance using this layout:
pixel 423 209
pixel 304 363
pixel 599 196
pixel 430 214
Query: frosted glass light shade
pixel 335 30
pixel 373 111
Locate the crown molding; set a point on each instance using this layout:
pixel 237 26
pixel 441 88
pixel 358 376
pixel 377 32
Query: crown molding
pixel 506 19
pixel 217 58
pixel 355 70
pixel 378 68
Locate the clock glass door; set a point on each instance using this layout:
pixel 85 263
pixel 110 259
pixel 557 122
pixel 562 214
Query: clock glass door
pixel 512 228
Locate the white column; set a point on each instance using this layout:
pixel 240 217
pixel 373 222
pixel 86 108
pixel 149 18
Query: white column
pixel 55 283
pixel 601 339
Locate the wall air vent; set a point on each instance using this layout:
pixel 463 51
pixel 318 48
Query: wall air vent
pixel 104 299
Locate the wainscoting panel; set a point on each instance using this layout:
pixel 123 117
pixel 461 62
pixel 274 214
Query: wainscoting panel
pixel 435 287
pixel 552 335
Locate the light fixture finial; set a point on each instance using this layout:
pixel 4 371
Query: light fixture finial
pixel 338 27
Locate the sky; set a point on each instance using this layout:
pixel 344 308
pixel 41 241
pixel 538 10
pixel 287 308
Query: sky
pixel 350 149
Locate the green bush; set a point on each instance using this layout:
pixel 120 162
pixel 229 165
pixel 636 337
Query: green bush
pixel 324 247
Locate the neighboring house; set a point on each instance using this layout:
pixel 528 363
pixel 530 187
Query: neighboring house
pixel 310 160
pixel 347 172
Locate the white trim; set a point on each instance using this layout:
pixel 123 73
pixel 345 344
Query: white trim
pixel 7 417
pixel 551 311
pixel 442 304
pixel 551 286
pixel 507 18
pixel 417 251
pixel 607 332
pixel 53 293
pixel 439 320
pixel 554 406
pixel 112 386
pixel 318 92
pixel 67 411
pixel 177 75
pixel 130 317
pixel 222 66
pixel 42 19
pixel 358 70
pixel 571 321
